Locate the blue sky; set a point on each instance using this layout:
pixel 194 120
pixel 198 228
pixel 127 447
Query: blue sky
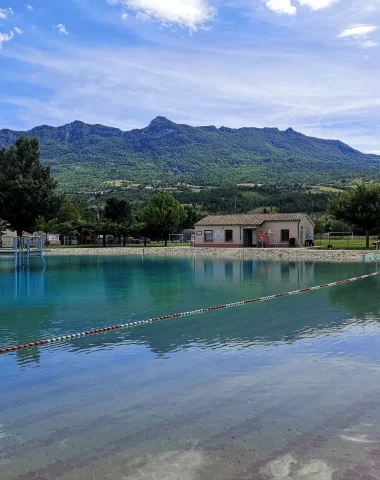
pixel 312 65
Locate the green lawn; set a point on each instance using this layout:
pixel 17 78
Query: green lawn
pixel 357 244
pixel 323 188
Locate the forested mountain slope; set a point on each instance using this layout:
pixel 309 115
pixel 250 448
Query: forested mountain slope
pixel 83 155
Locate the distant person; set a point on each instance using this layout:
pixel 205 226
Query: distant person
pixel 262 239
pixel 267 240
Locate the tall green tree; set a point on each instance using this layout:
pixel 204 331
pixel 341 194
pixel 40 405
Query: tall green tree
pixel 190 217
pixel 46 227
pixel 359 207
pixel 119 212
pixel 27 188
pixel 69 211
pixel 163 215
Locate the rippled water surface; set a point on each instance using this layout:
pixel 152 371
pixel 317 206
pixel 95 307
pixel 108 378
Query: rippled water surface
pixel 286 389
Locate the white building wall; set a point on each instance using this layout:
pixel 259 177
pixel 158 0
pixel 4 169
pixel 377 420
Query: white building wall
pixel 219 236
pixel 276 227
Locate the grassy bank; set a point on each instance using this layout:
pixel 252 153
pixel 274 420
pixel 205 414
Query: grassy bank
pixel 358 243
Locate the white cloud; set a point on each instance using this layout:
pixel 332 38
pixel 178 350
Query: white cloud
pixel 5 37
pixel 133 85
pixel 29 7
pixel 358 35
pixel 18 31
pixel 190 14
pixel 358 31
pixel 62 29
pixel 317 4
pixel 282 6
pixel 368 44
pixel 287 7
pixel 124 16
pixel 4 12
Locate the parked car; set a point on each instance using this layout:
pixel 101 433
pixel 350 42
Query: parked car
pixel 109 239
pixel 139 241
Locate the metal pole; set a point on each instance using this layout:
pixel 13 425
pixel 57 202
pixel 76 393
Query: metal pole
pixel 15 243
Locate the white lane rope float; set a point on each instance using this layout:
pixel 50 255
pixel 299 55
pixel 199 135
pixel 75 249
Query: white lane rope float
pixel 179 315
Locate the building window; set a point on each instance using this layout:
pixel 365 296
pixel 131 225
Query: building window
pixel 285 236
pixel 228 235
pixel 209 235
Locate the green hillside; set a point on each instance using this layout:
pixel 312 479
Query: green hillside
pixel 84 156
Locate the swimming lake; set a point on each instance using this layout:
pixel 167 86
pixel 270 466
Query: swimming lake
pixel 285 389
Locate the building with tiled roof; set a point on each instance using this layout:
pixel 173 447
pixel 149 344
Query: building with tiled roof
pixel 255 230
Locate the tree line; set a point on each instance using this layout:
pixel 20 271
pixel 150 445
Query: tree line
pixel 29 201
pixel 162 216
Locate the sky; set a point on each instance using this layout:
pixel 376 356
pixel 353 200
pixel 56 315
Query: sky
pixel 313 65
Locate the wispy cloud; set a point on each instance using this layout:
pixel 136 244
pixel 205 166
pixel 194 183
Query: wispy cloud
pixel 29 7
pixel 317 4
pixel 368 44
pixel 190 14
pixel 281 6
pixel 62 29
pixel 288 7
pixel 133 85
pixel 5 12
pixel 359 34
pixel 124 16
pixel 5 37
pixel 358 31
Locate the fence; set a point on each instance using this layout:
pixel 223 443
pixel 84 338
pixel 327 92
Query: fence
pixel 91 240
pixel 7 242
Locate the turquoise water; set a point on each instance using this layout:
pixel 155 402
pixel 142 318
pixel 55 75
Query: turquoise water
pixel 283 389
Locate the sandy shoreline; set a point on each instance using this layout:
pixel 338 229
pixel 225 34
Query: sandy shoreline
pixel 235 253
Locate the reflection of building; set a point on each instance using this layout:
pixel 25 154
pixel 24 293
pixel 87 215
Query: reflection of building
pixel 274 229
pixel 275 273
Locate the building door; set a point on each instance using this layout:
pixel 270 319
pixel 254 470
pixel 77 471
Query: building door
pixel 248 237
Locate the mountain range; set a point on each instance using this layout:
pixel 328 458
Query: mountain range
pixel 84 156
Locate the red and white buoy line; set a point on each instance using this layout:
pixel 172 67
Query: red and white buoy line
pixel 178 315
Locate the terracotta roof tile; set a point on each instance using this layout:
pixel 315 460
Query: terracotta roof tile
pixel 250 219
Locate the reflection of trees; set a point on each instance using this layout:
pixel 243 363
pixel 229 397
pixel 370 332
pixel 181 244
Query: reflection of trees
pixel 149 287
pixel 284 320
pixel 241 327
pixel 19 328
pixel 166 289
pixel 359 298
pixel 165 282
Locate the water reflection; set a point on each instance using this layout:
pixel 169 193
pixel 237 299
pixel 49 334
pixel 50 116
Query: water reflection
pixel 80 293
pixel 236 394
pixel 358 299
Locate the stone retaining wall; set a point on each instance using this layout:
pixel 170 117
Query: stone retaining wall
pixel 259 253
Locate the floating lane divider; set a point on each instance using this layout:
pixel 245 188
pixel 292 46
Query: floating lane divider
pixel 178 315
